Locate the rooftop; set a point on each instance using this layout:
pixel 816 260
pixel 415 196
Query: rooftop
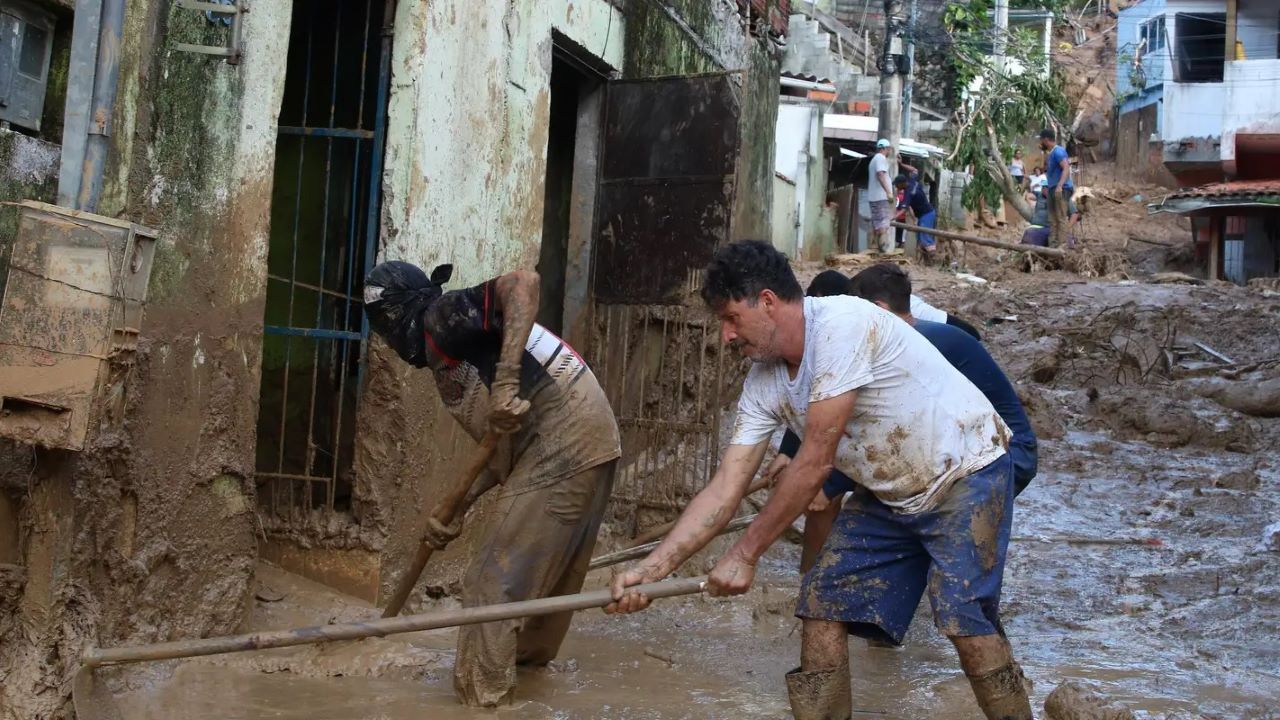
pixel 1239 193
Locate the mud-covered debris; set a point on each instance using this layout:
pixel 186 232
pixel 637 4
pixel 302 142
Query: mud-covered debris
pixel 1175 278
pixel 1073 701
pixel 1257 394
pixel 1163 421
pixel 1270 538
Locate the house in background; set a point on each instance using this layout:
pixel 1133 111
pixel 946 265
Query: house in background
pixel 1197 87
pixel 1196 82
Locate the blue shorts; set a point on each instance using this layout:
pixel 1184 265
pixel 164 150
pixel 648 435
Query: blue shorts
pixel 930 220
pixel 877 562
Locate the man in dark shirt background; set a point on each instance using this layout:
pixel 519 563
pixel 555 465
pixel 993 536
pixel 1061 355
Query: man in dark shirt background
pixel 889 286
pixel 914 197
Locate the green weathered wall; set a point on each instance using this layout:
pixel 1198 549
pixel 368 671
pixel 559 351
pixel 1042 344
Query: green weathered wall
pixel 155 535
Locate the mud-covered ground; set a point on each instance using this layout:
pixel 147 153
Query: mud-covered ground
pixel 1140 564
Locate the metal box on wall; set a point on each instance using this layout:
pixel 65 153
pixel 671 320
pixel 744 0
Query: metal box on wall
pixel 72 309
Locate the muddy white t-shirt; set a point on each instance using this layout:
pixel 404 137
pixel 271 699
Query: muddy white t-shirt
pixel 917 426
pixel 875 188
pixel 922 310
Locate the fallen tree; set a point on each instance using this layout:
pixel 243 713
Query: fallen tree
pixel 985 242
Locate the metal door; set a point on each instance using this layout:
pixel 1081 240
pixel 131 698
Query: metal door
pixel 669 156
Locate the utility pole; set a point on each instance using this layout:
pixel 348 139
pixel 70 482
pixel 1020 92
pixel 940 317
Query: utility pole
pixel 910 80
pixel 890 125
pixel 1000 42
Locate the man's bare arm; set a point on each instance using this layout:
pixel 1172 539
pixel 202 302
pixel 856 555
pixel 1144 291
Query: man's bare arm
pixel 517 294
pixel 710 510
pixel 883 177
pixel 802 478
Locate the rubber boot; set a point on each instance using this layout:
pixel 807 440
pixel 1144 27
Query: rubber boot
pixel 1002 694
pixel 820 694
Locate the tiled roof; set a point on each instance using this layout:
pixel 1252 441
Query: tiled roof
pixel 1237 189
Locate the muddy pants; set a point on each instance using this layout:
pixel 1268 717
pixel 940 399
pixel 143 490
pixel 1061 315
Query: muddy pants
pixel 877 563
pixel 539 545
pixel 1059 218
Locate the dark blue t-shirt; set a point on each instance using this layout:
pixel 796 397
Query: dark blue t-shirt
pixel 916 198
pixel 975 363
pixel 1053 168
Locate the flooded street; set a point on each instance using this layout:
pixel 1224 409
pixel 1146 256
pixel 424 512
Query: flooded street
pixel 1138 567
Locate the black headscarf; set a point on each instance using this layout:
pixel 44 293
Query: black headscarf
pixel 396 296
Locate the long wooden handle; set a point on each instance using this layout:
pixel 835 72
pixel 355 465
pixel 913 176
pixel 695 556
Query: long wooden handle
pixel 94 657
pixel 639 551
pixel 444 512
pixel 654 533
pixel 1016 247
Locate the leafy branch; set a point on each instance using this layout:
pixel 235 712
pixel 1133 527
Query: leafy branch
pixel 1003 99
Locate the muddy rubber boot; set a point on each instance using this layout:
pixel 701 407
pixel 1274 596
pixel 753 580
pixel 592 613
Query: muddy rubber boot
pixel 1002 694
pixel 820 694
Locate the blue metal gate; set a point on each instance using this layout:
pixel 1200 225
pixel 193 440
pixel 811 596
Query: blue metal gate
pixel 324 239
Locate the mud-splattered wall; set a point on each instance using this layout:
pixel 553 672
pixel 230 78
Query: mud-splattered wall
pixel 149 534
pixel 464 179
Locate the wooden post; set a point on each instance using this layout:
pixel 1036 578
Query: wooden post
pixel 1215 246
pixel 1230 49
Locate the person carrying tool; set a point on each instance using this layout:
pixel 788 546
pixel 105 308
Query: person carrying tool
pixel 499 371
pixel 872 398
pixel 888 286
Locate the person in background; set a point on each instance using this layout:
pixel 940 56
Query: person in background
pixel 912 196
pixel 829 283
pixel 1034 183
pixel 1058 186
pixel 1015 168
pixel 1038 232
pixel 879 195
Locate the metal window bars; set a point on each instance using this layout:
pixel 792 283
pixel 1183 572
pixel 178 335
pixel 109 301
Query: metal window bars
pixel 324 233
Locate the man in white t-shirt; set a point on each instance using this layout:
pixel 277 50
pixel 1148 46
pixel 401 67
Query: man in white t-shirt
pixel 870 397
pixel 880 197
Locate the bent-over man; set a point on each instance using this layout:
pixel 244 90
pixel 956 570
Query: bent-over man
pixel 499 371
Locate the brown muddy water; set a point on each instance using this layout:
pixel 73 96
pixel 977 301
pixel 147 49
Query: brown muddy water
pixel 1181 630
pixel 1139 567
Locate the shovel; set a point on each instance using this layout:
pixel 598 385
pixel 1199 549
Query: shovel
pixel 450 507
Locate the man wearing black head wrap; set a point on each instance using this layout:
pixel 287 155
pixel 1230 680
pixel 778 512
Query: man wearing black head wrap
pixel 497 370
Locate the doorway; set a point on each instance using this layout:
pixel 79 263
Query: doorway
pixel 573 128
pixel 323 239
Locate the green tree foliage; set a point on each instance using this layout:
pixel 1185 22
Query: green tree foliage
pixel 1001 102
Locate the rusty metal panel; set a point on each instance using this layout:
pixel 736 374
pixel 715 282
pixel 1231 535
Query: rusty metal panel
pixel 652 236
pixel 72 305
pixel 669 157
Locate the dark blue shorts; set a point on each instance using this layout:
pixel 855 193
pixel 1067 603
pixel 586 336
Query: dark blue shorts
pixel 877 562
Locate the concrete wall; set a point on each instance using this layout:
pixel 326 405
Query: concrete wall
pixel 464 183
pixel 149 534
pixel 1251 103
pixel 786 216
pixel 1155 64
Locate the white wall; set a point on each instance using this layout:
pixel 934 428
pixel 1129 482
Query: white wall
pixel 1193 110
pixel 1252 101
pixel 792 138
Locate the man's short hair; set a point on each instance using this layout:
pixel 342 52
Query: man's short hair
pixel 744 269
pixel 829 283
pixel 1048 134
pixel 887 283
pixel 901 179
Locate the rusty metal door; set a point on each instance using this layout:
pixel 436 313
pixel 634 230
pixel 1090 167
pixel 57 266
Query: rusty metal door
pixel 667 174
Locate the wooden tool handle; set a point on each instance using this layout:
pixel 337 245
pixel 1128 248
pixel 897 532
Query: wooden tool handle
pixel 449 507
pixel 386 626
